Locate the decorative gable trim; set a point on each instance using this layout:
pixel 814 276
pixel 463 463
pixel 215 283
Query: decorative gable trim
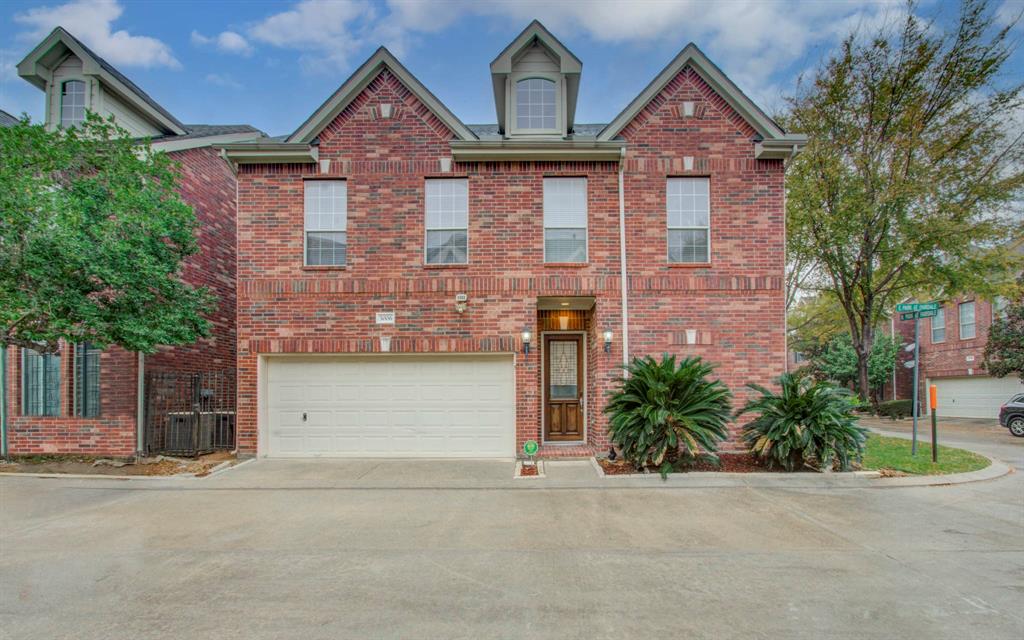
pixel 358 81
pixel 693 57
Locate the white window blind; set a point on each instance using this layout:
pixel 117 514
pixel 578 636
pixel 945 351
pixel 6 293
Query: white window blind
pixel 447 205
pixel 326 222
pixel 939 326
pixel 565 219
pixel 688 206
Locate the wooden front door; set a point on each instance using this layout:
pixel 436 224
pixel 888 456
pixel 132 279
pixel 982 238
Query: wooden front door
pixel 563 387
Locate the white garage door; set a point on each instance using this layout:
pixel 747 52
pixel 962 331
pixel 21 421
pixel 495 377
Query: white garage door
pixel 976 397
pixel 383 405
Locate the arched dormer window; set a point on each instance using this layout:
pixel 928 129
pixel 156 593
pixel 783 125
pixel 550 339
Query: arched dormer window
pixel 72 103
pixel 536 105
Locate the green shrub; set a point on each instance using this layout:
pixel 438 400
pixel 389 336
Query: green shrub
pixel 662 408
pixel 896 408
pixel 807 421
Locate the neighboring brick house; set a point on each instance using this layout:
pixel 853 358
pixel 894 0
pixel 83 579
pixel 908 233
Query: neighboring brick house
pixel 82 400
pixel 952 348
pixel 409 285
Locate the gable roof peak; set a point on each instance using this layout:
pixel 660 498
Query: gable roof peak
pixel 381 59
pixel 692 56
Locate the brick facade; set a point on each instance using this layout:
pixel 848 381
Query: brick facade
pixel 207 184
pixel 735 304
pixel 952 357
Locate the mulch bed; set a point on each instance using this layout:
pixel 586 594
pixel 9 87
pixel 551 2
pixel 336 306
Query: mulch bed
pixel 729 463
pixel 86 465
pixel 526 471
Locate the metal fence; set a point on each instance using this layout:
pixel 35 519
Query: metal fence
pixel 188 414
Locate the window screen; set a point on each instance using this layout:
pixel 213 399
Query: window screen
pixel 40 383
pixel 689 219
pixel 326 222
pixel 565 219
pixel 447 205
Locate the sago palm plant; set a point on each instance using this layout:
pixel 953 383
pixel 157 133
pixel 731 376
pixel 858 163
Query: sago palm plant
pixel 806 421
pixel 662 408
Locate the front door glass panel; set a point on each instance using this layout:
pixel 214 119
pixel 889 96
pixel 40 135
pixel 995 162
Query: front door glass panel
pixel 563 369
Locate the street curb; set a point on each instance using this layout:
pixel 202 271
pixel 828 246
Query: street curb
pixel 831 479
pixel 995 469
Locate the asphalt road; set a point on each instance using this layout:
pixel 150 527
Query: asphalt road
pixel 326 549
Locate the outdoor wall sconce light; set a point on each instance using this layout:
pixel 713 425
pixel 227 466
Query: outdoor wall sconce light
pixel 607 341
pixel 461 300
pixel 526 341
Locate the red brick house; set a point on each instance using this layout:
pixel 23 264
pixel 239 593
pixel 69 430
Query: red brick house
pixel 82 400
pixel 952 348
pixel 409 285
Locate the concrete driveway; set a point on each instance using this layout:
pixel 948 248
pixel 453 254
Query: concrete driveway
pixel 390 549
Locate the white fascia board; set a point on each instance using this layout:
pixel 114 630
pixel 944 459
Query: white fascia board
pixel 261 153
pixel 195 143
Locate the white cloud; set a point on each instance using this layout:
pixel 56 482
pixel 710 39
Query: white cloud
pixel 90 22
pixel 226 41
pixel 326 31
pixel 223 80
pixel 1011 12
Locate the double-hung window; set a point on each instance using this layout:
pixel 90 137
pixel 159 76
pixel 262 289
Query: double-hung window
pixel 688 204
pixel 40 383
pixel 565 219
pixel 447 205
pixel 72 103
pixel 967 327
pixel 87 380
pixel 326 222
pixel 939 326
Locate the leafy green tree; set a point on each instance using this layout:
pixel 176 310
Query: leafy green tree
pixel 838 361
pixel 909 168
pixel 1004 351
pixel 92 238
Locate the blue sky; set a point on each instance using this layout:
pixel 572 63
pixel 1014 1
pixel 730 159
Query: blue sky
pixel 270 64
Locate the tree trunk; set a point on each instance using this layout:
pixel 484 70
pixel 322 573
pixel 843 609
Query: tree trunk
pixel 863 349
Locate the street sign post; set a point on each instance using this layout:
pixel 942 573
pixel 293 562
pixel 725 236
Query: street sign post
pixel 915 311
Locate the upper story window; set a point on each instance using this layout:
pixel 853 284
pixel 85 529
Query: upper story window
pixel 40 383
pixel 447 204
pixel 72 103
pixel 536 108
pixel 967 327
pixel 326 222
pixel 689 220
pixel 565 219
pixel 939 326
pixel 87 380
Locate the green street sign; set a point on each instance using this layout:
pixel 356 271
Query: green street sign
pixel 919 314
pixel 917 306
pixel 530 448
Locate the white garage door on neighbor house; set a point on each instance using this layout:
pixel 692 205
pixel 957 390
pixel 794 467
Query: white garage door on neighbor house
pixel 390 406
pixel 975 397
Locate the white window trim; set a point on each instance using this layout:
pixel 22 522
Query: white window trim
pixel 427 228
pixel 671 228
pixel 60 99
pixel 932 326
pixel 306 232
pixel 960 317
pixel 511 101
pixel 586 219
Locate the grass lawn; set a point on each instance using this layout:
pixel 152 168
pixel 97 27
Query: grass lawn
pixel 894 453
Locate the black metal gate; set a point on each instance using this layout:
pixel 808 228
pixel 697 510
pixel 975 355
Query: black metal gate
pixel 188 414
